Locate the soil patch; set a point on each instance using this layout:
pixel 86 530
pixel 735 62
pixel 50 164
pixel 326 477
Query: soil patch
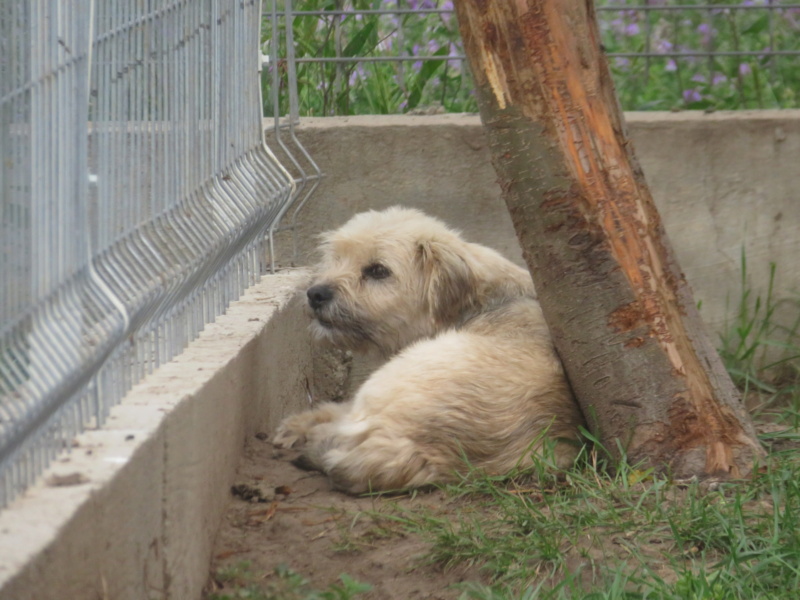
pixel 598 527
pixel 282 517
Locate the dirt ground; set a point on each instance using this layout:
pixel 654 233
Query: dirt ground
pixel 280 515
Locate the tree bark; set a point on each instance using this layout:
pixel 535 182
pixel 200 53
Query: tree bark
pixel 636 353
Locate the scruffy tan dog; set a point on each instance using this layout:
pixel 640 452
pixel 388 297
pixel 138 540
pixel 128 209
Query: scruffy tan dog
pixel 474 377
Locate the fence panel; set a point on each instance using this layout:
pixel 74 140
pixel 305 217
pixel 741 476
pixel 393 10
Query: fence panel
pixel 137 193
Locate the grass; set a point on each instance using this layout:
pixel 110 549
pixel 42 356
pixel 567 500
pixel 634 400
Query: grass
pixel 647 73
pixel 761 350
pixel 593 532
pixel 284 584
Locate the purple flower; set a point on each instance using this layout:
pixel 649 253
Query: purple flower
pixel 447 16
pixel 417 64
pixel 454 62
pixel 707 31
pixel 664 46
pixel 617 25
pixel 393 20
pixel 718 79
pixel 699 78
pixel 691 96
pixel 671 65
pixel 622 63
pixel 386 44
pixel 744 68
pixel 357 74
pixel 632 29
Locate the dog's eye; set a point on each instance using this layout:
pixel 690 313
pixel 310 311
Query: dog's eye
pixel 375 271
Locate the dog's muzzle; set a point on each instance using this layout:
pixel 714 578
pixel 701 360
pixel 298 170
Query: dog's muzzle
pixel 319 296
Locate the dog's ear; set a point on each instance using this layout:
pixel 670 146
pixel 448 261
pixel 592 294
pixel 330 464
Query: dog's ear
pixel 449 284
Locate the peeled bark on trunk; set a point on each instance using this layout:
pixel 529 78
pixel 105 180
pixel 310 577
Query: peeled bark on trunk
pixel 623 319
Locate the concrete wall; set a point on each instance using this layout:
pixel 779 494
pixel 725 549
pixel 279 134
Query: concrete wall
pixel 150 487
pixel 148 490
pixel 723 182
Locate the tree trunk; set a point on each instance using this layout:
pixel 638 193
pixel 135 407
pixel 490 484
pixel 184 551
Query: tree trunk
pixel 622 316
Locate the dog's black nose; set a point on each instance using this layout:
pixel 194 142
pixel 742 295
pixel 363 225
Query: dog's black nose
pixel 319 295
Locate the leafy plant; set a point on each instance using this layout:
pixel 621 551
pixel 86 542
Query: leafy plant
pixel 760 352
pixel 661 58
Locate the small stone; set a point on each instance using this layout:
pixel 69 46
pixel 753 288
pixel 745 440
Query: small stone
pixel 67 480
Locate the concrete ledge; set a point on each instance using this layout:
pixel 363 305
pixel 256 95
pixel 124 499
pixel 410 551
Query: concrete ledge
pixel 140 500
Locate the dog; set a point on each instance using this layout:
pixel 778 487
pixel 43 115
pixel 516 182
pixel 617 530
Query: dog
pixel 473 377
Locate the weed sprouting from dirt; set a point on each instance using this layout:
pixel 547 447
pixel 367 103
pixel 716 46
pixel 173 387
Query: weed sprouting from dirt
pixel 284 584
pixel 760 346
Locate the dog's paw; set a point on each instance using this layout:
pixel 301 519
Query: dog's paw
pixel 291 433
pixel 285 438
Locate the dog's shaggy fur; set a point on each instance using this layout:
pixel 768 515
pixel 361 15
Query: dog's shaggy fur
pixel 474 375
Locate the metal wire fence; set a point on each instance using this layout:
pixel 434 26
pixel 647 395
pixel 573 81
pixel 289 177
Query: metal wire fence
pixel 398 56
pixel 137 193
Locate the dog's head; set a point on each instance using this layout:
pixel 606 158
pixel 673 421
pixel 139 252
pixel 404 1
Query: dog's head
pixel 389 278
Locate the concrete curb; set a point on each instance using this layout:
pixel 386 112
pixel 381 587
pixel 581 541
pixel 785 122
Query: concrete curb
pixel 132 511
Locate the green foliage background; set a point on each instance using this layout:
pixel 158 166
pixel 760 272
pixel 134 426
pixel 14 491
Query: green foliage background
pixel 750 62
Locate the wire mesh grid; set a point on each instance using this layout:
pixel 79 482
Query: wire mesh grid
pixel 400 56
pixel 138 200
